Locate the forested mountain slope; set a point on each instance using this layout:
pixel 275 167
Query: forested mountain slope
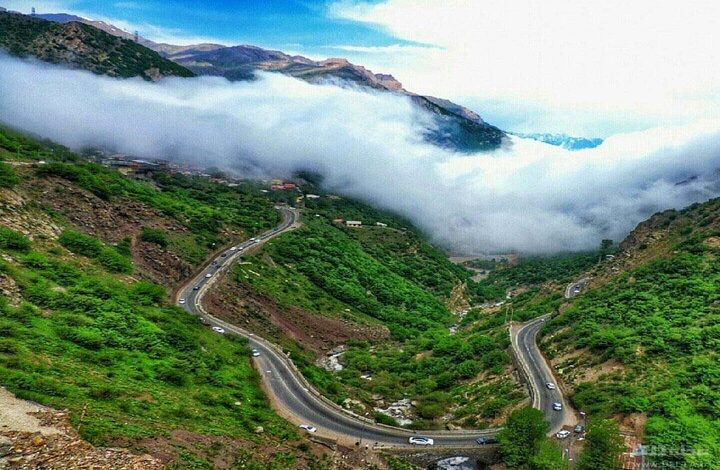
pixel 643 342
pixel 82 46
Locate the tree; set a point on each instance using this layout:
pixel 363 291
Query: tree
pixel 522 437
pixel 604 446
pixel 548 457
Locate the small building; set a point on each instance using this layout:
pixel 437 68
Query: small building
pixel 380 224
pixel 338 221
pixel 353 223
pixel 312 196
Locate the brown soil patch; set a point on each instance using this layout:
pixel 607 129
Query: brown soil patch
pixel 240 305
pixel 114 221
pixel 41 437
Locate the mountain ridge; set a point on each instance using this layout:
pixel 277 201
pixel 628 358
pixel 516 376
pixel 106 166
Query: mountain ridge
pixel 456 127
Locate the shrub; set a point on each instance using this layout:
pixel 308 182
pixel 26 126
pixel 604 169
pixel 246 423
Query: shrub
pixel 154 235
pixel 12 240
pixel 81 244
pixel 8 177
pixel 114 261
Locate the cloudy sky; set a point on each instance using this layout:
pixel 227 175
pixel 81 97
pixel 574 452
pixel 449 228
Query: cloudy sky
pixel 591 68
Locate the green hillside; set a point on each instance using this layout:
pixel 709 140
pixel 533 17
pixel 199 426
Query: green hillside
pixel 82 46
pixel 653 332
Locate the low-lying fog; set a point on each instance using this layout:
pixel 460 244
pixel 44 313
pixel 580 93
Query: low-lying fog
pixel 526 196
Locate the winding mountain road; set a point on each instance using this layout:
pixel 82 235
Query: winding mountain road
pixel 294 398
pixel 538 375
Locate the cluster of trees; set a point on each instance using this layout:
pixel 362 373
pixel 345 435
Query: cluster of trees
pixel 661 322
pixel 345 269
pixel 524 444
pixel 533 271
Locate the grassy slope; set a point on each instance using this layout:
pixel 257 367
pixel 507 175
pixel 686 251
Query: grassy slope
pixel 109 349
pixel 660 322
pixel 394 277
pixel 81 46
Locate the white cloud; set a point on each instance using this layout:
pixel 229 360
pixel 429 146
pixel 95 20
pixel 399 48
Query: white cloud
pixel 527 196
pixel 655 59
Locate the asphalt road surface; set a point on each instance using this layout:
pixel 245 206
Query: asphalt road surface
pixel 299 402
pixel 575 288
pixel 538 374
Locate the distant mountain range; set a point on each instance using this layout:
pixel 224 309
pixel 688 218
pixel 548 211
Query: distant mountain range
pixel 456 127
pixel 562 140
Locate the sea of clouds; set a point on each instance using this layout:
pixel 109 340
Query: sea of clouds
pixel 526 196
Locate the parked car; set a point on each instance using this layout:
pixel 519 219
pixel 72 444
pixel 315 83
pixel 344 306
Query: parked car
pixel 550 386
pixel 421 441
pixel 486 440
pixel 557 406
pixel 308 428
pixel 562 434
pixel 579 429
pixel 217 329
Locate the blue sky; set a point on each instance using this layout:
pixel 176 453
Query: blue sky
pixel 270 23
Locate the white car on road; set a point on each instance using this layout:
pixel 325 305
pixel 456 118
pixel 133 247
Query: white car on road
pixel 421 441
pixel 557 406
pixel 562 434
pixel 181 301
pixel 255 353
pixel 550 386
pixel 308 428
pixel 208 275
pixel 217 329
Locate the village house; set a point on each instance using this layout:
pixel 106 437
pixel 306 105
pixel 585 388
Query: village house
pixel 353 223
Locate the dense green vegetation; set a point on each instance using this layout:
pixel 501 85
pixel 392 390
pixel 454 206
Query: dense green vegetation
pixel 83 340
pixel 113 260
pixel 154 235
pixel 380 274
pixel 661 322
pixel 533 271
pixel 8 177
pixel 603 446
pixel 524 445
pixel 102 53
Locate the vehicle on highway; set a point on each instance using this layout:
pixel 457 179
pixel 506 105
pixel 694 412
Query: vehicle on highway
pixel 486 440
pixel 557 406
pixel 218 329
pixel 562 434
pixel 233 248
pixel 181 301
pixel 253 239
pixel 255 353
pixel 421 441
pixel 223 255
pixel 208 275
pixel 196 287
pixel 550 386
pixel 579 429
pixel 308 428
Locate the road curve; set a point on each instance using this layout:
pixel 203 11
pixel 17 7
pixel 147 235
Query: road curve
pixel 294 397
pixel 538 374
